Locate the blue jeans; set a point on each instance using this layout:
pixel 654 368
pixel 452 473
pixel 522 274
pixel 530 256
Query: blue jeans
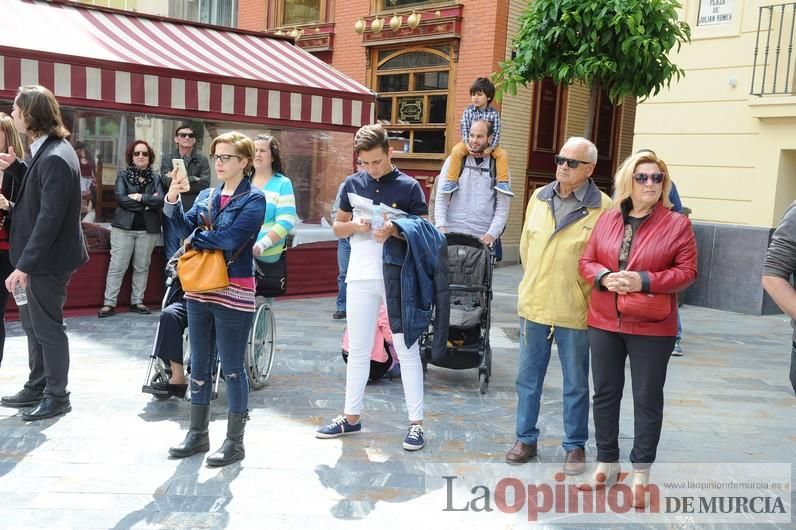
pixel 573 351
pixel 343 254
pixel 232 335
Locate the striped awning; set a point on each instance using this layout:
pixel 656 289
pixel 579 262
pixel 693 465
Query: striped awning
pixel 108 59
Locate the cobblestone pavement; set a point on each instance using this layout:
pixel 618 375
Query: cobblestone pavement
pixel 105 464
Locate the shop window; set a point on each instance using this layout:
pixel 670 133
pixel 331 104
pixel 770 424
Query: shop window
pixel 413 87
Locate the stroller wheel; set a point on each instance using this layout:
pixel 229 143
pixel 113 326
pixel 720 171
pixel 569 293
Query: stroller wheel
pixel 483 382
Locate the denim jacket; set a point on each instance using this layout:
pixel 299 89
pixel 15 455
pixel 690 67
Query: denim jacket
pixel 235 226
pixel 415 278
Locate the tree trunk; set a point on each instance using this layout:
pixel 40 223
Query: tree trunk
pixel 594 93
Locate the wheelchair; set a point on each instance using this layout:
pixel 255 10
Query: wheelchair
pixel 259 356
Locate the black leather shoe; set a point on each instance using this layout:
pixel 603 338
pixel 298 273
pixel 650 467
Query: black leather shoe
pixel 48 408
pixel 339 315
pixel 24 398
pixel 168 390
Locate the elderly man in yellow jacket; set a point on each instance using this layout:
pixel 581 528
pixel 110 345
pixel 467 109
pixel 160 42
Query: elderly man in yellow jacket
pixel 552 301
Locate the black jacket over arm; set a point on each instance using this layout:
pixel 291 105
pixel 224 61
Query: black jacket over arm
pixel 46 236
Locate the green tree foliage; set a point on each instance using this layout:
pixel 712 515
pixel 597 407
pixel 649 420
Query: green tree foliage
pixel 619 44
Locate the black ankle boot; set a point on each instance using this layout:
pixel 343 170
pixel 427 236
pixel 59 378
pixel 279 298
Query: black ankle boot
pixel 232 450
pixel 197 439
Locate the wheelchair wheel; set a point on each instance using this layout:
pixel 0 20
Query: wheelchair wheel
pixel 262 347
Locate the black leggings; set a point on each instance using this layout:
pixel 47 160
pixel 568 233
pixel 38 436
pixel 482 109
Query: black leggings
pixel 5 270
pixel 649 357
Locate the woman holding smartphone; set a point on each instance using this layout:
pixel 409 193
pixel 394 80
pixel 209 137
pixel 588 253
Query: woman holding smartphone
pixel 234 210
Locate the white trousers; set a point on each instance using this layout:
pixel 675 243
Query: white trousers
pixel 363 303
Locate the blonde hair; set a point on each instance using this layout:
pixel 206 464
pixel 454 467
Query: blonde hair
pixel 623 180
pixel 12 135
pixel 243 147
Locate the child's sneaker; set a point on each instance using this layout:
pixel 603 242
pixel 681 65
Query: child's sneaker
pixel 338 427
pixel 414 438
pixel 677 351
pixel 504 188
pixel 449 187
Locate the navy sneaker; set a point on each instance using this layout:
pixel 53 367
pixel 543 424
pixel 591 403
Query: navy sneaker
pixel 449 187
pixel 504 188
pixel 414 438
pixel 338 427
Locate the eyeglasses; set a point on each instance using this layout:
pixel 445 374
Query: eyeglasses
pixel 642 178
pixel 186 135
pixel 224 158
pixel 140 153
pixel 570 162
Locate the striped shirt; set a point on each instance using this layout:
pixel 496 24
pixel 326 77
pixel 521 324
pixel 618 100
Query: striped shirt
pixel 472 114
pixel 238 295
pixel 280 212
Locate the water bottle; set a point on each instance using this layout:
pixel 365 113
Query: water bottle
pixel 377 222
pixel 20 295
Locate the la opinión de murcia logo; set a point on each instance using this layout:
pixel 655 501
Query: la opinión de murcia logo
pixel 511 495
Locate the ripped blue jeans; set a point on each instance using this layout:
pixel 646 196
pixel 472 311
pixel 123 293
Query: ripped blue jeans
pixel 232 335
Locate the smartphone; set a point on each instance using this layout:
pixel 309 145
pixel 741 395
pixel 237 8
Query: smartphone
pixel 179 165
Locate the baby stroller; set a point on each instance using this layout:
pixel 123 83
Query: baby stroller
pixel 470 265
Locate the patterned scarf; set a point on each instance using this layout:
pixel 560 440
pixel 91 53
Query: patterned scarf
pixel 138 177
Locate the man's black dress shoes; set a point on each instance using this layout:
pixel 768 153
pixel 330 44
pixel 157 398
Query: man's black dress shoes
pixel 48 407
pixel 24 398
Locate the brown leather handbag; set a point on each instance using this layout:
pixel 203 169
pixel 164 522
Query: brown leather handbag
pixel 201 271
pixel 646 306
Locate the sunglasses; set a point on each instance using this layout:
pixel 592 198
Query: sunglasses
pixel 141 153
pixel 224 158
pixel 642 178
pixel 186 135
pixel 570 162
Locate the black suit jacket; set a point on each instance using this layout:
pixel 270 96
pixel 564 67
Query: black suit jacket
pixel 46 236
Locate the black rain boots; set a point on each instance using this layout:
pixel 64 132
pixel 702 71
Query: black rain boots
pixel 197 440
pixel 232 450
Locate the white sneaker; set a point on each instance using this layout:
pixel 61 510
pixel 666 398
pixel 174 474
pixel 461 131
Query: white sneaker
pixel 605 475
pixel 641 478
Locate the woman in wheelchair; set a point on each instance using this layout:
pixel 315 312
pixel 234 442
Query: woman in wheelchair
pixel 280 209
pixel 169 337
pixel 234 211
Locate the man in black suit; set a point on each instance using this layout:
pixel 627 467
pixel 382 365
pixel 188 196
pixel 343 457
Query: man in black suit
pixel 46 247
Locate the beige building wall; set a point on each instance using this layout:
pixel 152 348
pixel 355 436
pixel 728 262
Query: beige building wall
pixel 732 154
pixel 515 119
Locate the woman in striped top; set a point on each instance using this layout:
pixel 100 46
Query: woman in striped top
pixel 235 210
pixel 280 210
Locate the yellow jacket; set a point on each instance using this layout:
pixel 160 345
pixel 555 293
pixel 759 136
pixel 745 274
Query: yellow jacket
pixel 552 291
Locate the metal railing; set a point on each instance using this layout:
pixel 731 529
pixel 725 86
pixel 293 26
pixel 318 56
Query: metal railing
pixel 773 69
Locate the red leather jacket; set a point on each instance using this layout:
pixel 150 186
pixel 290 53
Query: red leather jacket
pixel 664 254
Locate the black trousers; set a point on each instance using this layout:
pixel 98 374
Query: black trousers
pixel 173 321
pixel 5 270
pixel 649 358
pixel 43 321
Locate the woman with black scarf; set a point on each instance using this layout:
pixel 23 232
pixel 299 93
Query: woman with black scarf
pixel 135 227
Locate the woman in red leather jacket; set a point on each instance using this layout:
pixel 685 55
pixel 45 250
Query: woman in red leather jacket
pixel 639 255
